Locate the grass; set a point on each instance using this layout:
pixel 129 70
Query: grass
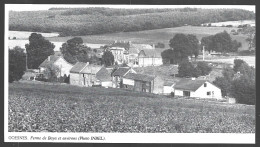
pixel 156 35
pixel 52 108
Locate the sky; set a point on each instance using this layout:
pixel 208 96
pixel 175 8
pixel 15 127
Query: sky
pixel 36 7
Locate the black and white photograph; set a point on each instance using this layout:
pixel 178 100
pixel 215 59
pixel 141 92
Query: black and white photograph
pixel 107 73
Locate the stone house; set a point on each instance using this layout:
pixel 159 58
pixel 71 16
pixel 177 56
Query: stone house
pixel 143 83
pixel 58 61
pixel 118 74
pixel 85 74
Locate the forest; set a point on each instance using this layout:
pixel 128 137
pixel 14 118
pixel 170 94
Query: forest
pixel 90 21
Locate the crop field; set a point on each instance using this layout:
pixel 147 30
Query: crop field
pixel 52 108
pixel 156 35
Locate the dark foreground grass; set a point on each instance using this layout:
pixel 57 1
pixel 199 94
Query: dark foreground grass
pixel 50 108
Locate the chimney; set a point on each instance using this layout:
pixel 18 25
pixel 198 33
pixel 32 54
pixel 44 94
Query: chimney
pixel 49 58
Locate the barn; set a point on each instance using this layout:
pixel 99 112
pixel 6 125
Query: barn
pixel 144 83
pixel 118 74
pixel 60 62
pixel 197 88
pixel 85 74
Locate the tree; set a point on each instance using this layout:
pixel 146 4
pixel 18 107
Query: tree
pixel 222 42
pixel 108 58
pixel 17 64
pixel 181 46
pixel 225 82
pixel 237 64
pixel 38 50
pixel 186 69
pixel 51 72
pixel 207 42
pixel 74 51
pixel 203 68
pixel 194 44
pixel 168 56
pixel 235 46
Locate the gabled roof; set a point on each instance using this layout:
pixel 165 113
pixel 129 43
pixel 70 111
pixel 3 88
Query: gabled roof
pixel 120 71
pixel 78 67
pixel 53 58
pixel 103 75
pixel 91 69
pixel 188 84
pixel 139 77
pixel 150 53
pixel 168 83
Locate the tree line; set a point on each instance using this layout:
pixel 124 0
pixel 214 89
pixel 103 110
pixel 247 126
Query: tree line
pixel 89 21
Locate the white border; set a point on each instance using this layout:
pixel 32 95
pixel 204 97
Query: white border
pixel 236 138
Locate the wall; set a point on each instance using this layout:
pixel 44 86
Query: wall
pixel 64 66
pixel 178 92
pixel 158 85
pixel 167 90
pixel 107 84
pixel 144 61
pixel 76 79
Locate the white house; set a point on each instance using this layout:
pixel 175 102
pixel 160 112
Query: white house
pixel 60 62
pixel 149 57
pixel 197 88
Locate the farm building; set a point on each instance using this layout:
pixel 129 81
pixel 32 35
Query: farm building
pixel 197 88
pixel 58 61
pixel 118 74
pixel 85 74
pixel 144 83
pixel 149 57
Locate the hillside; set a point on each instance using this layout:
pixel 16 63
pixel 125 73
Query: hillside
pixel 89 21
pixel 52 108
pixel 156 35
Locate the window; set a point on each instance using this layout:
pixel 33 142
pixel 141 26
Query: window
pixel 186 93
pixel 205 84
pixel 208 93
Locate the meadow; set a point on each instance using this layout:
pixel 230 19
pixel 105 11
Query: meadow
pixel 66 108
pixel 156 35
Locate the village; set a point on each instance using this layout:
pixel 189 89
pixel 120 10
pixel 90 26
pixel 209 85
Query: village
pixel 128 57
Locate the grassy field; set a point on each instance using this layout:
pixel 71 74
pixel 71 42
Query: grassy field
pixel 52 108
pixel 155 36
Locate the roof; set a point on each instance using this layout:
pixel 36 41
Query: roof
pixel 77 68
pixel 53 58
pixel 139 77
pixel 168 83
pixel 150 53
pixel 91 69
pixel 103 75
pixel 120 71
pixel 125 45
pixel 188 84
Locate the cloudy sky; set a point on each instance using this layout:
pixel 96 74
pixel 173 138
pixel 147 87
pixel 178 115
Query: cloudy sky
pixel 35 7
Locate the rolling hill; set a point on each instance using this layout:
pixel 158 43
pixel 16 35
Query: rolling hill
pixel 90 21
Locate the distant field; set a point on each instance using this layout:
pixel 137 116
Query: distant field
pixel 25 35
pixel 234 23
pixel 52 108
pixel 155 36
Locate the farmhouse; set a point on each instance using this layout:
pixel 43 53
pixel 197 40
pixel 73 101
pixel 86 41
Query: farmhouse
pixel 144 83
pixel 85 74
pixel 118 74
pixel 197 88
pixel 149 57
pixel 58 61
